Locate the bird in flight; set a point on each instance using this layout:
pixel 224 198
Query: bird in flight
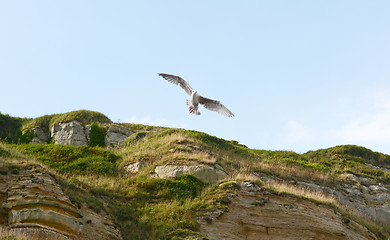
pixel 195 99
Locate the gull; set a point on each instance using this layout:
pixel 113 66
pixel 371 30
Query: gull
pixel 195 99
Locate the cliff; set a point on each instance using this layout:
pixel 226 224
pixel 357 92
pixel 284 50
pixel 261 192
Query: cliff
pixel 80 176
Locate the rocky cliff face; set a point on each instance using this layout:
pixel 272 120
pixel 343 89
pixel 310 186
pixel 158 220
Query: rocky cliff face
pixel 31 202
pixel 255 213
pixel 71 133
pixel 116 136
pixel 74 133
pixel 203 172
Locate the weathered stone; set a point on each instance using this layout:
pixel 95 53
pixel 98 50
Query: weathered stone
pixel 70 133
pixel 250 186
pixel 383 213
pixel 254 215
pixel 134 167
pixel 350 177
pixel 377 188
pixel 32 203
pixel 369 201
pixel 116 136
pixel 204 173
pixel 39 136
pixel 87 131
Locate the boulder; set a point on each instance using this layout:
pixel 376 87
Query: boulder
pixel 39 136
pixel 116 136
pixel 204 173
pixel 134 167
pixel 70 133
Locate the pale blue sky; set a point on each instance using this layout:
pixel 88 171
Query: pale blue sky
pixel 298 75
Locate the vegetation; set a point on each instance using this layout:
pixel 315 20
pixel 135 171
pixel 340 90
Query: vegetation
pixel 152 208
pixel 83 116
pixel 10 128
pixel 41 122
pixel 96 136
pixel 71 159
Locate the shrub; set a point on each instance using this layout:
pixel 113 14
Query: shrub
pixel 183 187
pixel 96 136
pixel 26 137
pixel 83 116
pixel 72 159
pixel 10 128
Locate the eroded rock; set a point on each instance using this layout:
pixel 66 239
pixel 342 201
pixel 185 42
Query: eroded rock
pixel 32 203
pixel 204 173
pixel 40 136
pixel 257 215
pixel 134 167
pixel 70 133
pixel 116 136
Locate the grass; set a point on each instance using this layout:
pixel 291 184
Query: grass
pixel 82 116
pixel 348 214
pixel 281 188
pixel 15 130
pixel 96 135
pixel 10 128
pixel 72 159
pixel 152 208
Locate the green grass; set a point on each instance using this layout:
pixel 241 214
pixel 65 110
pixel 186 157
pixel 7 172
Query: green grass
pixel 71 159
pixel 10 128
pixel 41 122
pixel 172 145
pixel 96 135
pixel 351 159
pixel 152 208
pixel 15 130
pixel 83 116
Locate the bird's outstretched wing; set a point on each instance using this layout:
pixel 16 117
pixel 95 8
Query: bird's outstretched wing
pixel 178 81
pixel 216 106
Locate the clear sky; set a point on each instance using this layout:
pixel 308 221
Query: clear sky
pixel 298 75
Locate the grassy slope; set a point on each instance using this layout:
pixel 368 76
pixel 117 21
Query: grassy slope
pixel 152 208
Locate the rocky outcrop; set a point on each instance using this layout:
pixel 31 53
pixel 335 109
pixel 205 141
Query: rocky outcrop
pixel 134 167
pixel 254 213
pixel 203 172
pixel 116 136
pixel 70 133
pixel 74 133
pixel 366 196
pixel 40 136
pixel 31 202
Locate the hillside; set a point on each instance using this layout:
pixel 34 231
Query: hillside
pixel 78 175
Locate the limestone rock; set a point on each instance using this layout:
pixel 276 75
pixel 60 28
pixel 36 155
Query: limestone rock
pixel 116 136
pixel 32 203
pixel 70 133
pixel 134 167
pixel 39 136
pixel 87 131
pixel 204 173
pixel 370 201
pixel 258 215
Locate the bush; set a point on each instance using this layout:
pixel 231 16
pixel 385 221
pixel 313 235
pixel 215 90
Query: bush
pixel 10 128
pixel 96 136
pixel 26 137
pixel 82 116
pixel 183 187
pixel 72 159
